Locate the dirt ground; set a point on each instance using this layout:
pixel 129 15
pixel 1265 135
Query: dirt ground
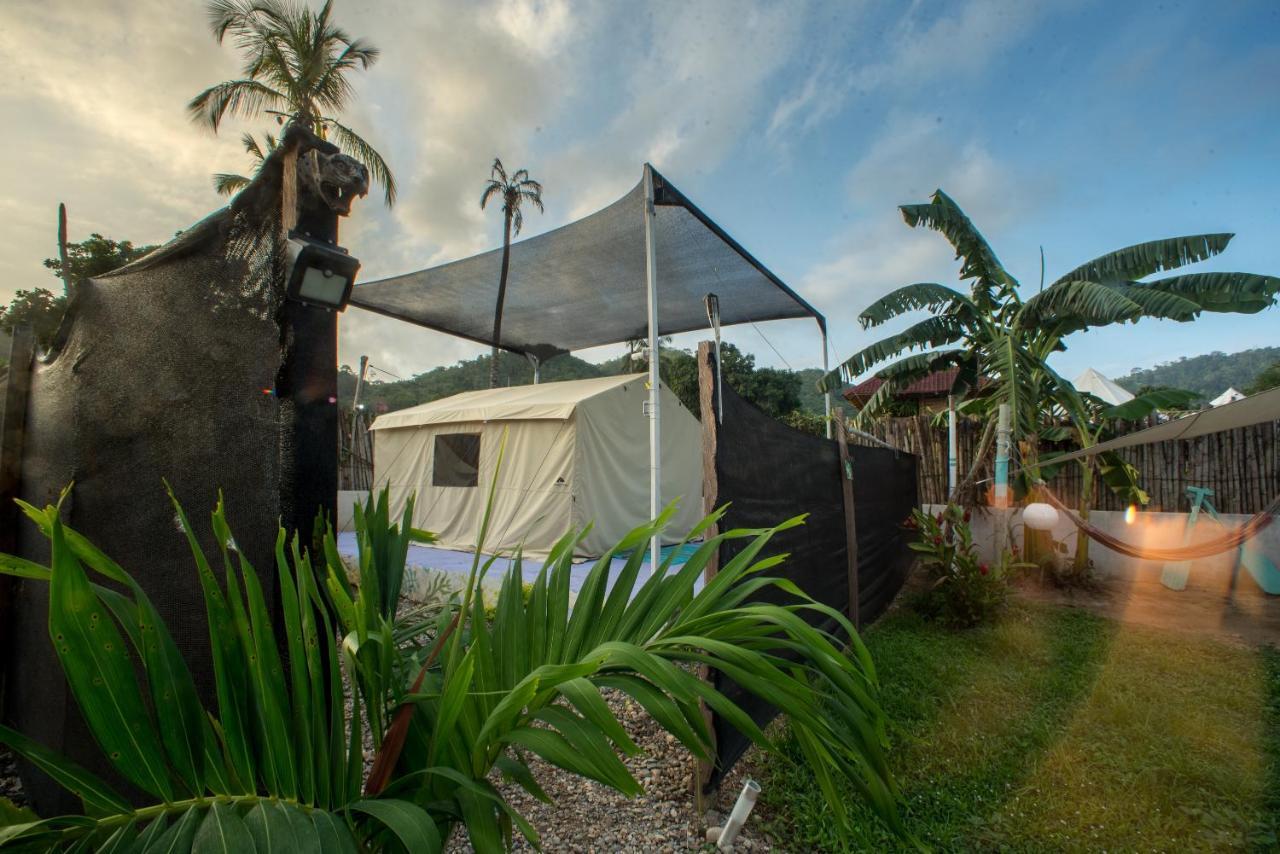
pixel 1208 606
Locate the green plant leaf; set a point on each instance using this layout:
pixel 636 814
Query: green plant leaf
pixel 222 832
pixel 411 824
pixel 96 794
pixel 1143 259
pixel 97 666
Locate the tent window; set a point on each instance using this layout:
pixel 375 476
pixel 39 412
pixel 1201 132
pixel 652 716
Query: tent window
pixel 457 460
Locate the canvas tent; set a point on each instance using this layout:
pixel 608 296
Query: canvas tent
pixel 1102 387
pixel 1228 396
pixel 576 452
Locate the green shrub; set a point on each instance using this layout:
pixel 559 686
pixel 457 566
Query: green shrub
pixel 963 590
pixel 451 698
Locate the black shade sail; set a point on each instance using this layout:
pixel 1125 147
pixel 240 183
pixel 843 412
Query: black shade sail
pixel 583 285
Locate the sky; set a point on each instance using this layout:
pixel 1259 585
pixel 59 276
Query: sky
pixel 1079 127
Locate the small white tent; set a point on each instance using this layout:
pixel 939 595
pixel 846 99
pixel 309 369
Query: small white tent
pixel 1101 387
pixel 576 452
pixel 1228 396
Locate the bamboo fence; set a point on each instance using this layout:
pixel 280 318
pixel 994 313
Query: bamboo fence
pixel 1241 466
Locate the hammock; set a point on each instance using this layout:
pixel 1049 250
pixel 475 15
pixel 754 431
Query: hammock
pixel 1215 546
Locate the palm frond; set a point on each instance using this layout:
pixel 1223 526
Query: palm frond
pixel 251 146
pixel 226 184
pixel 912 298
pixel 1145 404
pixel 491 189
pixel 1091 302
pixel 933 332
pixel 355 145
pixel 979 260
pixel 498 172
pixel 901 374
pixel 1243 293
pixel 243 98
pixel 1156 303
pixel 1143 259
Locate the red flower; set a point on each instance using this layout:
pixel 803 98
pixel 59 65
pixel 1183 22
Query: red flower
pixel 938 518
pixel 982 567
pixel 966 515
pixel 937 541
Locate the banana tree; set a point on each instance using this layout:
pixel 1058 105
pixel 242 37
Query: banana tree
pixel 1093 421
pixel 451 700
pixel 992 332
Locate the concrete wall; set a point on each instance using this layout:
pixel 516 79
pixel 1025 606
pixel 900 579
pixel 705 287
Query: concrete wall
pixel 1164 530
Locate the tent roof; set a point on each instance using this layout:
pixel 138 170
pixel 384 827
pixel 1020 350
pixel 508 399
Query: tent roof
pixel 1255 409
pixel 1226 397
pixel 545 401
pixel 583 285
pixel 1101 387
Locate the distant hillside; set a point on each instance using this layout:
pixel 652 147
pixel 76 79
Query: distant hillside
pixel 1209 375
pixel 463 376
pixel 811 398
pixel 515 370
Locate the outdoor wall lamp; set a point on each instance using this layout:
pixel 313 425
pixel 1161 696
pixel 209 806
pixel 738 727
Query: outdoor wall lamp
pixel 320 273
pixel 1039 516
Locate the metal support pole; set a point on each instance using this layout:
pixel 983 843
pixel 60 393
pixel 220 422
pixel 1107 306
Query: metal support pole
pixel 655 434
pixel 953 461
pixel 537 367
pixel 1002 457
pixel 826 397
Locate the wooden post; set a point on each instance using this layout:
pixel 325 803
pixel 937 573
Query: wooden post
pixel 12 434
pixel 708 408
pixel 850 523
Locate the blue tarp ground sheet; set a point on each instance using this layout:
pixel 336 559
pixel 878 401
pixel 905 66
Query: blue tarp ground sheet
pixel 459 562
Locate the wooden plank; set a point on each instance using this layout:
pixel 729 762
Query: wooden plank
pixel 708 404
pixel 850 524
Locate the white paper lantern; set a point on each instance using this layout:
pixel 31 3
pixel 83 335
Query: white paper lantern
pixel 1039 516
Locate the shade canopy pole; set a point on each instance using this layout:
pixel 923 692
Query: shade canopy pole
pixel 537 367
pixel 655 435
pixel 826 397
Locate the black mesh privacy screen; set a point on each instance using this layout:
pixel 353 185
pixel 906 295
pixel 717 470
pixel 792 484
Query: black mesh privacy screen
pixel 767 472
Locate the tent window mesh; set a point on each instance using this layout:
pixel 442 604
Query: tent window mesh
pixel 457 460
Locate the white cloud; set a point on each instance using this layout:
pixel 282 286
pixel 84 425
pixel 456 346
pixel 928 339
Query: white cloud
pixel 920 46
pixel 878 252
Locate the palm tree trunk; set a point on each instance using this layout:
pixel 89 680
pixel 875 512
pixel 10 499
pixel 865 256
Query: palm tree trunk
pixel 502 297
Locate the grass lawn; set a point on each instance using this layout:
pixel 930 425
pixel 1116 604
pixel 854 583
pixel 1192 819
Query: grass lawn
pixel 1059 730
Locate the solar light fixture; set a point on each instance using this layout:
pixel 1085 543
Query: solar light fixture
pixel 320 273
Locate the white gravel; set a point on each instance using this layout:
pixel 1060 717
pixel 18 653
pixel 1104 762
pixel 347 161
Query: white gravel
pixel 590 817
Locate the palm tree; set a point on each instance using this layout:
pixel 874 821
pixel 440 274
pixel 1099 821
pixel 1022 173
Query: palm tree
pixel 514 191
pixel 992 331
pixel 226 184
pixel 295 69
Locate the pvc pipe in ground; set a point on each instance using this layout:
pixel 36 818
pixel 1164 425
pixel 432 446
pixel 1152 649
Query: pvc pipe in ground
pixel 737 818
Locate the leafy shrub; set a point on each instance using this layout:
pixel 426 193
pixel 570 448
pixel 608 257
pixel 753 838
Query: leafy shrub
pixel 963 590
pixel 450 698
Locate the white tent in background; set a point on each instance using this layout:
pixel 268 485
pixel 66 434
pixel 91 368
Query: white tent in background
pixel 1228 396
pixel 1101 387
pixel 576 452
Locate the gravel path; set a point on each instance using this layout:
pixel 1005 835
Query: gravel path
pixel 10 785
pixel 589 817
